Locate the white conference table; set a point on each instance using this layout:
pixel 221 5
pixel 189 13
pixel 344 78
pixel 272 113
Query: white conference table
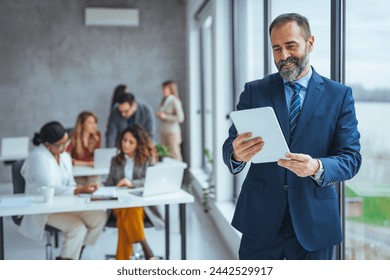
pixel 77 203
pixel 89 171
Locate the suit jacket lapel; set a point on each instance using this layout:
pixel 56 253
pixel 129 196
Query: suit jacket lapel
pixel 313 96
pixel 276 90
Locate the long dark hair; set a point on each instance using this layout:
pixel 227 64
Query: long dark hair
pixel 49 133
pixel 145 150
pixel 118 91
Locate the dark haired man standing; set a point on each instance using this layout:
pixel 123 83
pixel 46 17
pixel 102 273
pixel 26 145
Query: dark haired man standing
pixel 127 112
pixel 289 209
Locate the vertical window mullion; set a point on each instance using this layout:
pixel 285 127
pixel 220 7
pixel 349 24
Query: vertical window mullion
pixel 337 73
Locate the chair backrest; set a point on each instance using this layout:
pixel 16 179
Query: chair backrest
pixel 19 184
pixel 19 187
pixel 17 178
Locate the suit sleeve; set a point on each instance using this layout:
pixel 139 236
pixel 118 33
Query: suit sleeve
pixel 139 177
pixel 227 149
pixel 345 159
pixel 150 123
pixel 111 179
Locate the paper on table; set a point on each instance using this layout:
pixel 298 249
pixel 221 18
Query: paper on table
pixel 16 202
pixel 105 191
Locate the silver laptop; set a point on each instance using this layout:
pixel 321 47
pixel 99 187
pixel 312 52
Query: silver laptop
pixel 102 157
pixel 14 146
pixel 161 179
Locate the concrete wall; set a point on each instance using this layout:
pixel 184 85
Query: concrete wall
pixel 52 66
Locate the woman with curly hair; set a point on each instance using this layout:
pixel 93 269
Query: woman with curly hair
pixel 85 138
pixel 128 169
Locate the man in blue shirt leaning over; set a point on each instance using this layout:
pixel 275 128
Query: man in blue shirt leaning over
pixel 127 112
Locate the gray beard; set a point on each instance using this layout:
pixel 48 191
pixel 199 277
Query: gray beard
pixel 291 74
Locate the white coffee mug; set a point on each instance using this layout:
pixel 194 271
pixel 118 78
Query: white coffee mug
pixel 47 193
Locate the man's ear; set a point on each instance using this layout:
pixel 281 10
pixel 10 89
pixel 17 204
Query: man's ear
pixel 310 43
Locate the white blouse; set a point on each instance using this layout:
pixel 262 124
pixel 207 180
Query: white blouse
pixel 41 169
pixel 129 167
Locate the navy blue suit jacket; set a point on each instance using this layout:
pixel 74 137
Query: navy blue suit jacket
pixel 327 130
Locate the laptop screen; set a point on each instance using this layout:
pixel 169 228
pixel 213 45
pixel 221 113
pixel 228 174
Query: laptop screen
pixel 102 157
pixel 162 179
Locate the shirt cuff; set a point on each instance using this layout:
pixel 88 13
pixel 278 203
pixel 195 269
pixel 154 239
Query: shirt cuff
pixel 236 166
pixel 319 180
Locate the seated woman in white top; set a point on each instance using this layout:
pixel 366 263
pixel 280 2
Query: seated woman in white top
pixel 50 165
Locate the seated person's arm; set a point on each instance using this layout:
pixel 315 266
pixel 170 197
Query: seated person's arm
pixel 124 182
pixel 82 163
pixel 90 188
pixel 137 183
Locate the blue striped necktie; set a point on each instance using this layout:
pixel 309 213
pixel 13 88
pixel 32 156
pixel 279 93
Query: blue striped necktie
pixel 295 107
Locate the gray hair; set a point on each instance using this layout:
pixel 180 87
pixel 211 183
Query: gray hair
pixel 299 19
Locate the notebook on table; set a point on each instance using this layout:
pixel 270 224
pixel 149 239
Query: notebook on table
pixel 161 179
pixel 104 193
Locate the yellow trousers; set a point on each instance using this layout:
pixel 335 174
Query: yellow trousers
pixel 130 224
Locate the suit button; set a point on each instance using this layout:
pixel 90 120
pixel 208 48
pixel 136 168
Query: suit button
pixel 285 187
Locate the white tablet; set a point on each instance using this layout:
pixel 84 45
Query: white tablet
pixel 262 122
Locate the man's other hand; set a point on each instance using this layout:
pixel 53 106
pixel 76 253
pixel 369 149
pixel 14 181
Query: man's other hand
pixel 301 164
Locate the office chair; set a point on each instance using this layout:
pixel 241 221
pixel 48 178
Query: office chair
pixel 19 187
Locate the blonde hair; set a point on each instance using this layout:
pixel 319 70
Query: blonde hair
pixel 172 86
pixel 78 132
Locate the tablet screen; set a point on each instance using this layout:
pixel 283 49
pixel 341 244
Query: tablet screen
pixel 262 122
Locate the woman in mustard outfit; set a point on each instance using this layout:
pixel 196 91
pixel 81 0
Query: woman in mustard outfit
pixel 128 168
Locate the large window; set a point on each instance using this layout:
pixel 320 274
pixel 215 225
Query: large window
pixel 248 56
pixel 319 19
pixel 207 86
pixel 250 38
pixel 213 29
pixel 367 198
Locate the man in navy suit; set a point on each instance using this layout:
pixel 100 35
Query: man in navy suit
pixel 289 209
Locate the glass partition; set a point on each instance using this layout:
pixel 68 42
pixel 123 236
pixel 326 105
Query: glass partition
pixel 207 88
pixel 367 199
pixel 319 19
